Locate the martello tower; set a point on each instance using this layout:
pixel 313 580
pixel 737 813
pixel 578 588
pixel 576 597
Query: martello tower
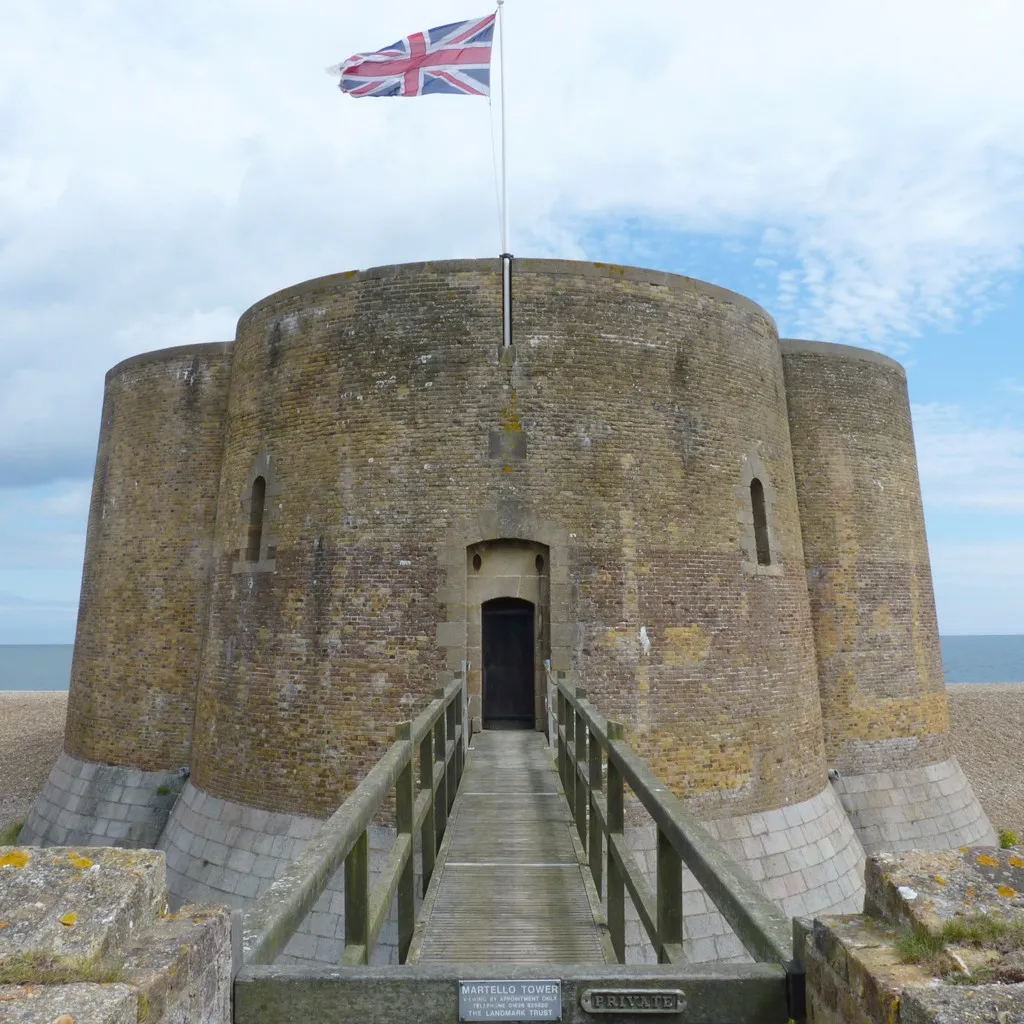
pixel 293 535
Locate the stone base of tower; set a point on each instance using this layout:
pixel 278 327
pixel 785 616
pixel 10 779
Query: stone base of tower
pixel 219 851
pixel 87 804
pixel 805 856
pixel 929 808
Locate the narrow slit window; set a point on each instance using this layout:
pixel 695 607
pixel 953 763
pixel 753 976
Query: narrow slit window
pixel 255 535
pixel 764 554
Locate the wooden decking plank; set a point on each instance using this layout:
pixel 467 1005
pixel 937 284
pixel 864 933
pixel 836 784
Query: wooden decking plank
pixel 510 887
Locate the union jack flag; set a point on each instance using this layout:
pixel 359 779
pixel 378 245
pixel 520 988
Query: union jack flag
pixel 453 58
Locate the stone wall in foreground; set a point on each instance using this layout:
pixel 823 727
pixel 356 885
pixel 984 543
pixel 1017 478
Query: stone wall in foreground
pixel 857 974
pixel 100 916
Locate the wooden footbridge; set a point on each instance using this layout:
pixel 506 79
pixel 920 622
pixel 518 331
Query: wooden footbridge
pixel 525 874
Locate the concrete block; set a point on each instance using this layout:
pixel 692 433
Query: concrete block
pixel 266 867
pixel 240 860
pixel 329 951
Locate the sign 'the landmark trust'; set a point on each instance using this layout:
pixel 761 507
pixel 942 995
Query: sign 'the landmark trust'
pixel 510 1000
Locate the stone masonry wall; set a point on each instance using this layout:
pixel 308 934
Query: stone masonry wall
pixel 142 612
pixel 632 416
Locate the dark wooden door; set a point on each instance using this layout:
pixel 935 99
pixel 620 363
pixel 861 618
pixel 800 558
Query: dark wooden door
pixel 508 663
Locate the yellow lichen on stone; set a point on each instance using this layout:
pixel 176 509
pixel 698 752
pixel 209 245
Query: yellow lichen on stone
pixel 1016 862
pixel 685 645
pixel 15 859
pixel 989 862
pixel 1007 891
pixel 941 879
pixel 883 618
pixel 69 919
pixel 78 860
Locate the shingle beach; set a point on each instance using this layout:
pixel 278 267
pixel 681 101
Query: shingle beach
pixel 986 720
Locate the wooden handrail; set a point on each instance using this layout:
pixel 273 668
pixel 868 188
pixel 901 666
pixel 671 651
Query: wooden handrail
pixel 585 738
pixel 436 739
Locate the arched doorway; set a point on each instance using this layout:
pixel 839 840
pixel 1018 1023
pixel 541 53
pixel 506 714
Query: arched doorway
pixel 507 634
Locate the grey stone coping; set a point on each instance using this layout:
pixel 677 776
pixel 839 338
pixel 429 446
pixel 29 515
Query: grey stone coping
pixel 162 355
pixel 565 268
pixel 97 1004
pixel 831 350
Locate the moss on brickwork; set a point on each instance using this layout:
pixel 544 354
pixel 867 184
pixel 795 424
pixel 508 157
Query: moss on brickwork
pixel 622 437
pixel 879 663
pixel 624 421
pixel 145 581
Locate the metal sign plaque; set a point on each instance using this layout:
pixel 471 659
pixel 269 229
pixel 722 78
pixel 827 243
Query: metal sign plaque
pixel 510 1000
pixel 633 1000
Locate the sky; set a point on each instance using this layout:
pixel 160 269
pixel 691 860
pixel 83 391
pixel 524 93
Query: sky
pixel 858 169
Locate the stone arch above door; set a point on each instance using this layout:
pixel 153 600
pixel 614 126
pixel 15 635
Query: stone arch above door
pixel 508 542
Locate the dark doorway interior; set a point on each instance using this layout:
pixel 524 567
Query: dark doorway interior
pixel 508 663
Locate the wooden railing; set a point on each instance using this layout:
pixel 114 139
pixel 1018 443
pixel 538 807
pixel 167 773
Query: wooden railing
pixel 595 764
pixel 438 740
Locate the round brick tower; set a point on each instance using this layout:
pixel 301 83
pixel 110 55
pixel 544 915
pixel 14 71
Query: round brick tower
pixel 143 606
pixel 391 475
pixel 883 696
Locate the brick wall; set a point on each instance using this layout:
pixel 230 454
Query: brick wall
pixel 879 663
pixel 628 416
pixel 142 611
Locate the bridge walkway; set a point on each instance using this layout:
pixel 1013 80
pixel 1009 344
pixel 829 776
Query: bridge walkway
pixel 510 885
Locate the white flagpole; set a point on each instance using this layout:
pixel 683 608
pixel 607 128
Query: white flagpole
pixel 504 165
pixel 506 256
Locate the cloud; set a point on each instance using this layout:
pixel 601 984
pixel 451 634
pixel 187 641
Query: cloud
pixel 165 167
pixel 969 461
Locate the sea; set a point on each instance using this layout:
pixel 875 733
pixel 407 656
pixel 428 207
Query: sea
pixel 966 659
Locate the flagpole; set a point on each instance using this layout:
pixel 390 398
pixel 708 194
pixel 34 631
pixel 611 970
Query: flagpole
pixel 506 256
pixel 504 163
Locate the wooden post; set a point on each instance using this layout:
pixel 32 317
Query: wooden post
pixel 428 841
pixel 581 784
pixel 405 803
pixel 569 782
pixel 616 826
pixel 460 724
pixel 670 898
pixel 560 725
pixel 595 841
pixel 441 797
pixel 357 902
pixel 451 777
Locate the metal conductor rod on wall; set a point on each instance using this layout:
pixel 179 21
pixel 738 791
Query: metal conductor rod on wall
pixel 506 298
pixel 506 256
